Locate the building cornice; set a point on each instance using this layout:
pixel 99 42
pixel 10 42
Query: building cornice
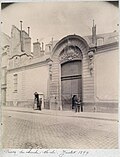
pixel 29 66
pixel 106 47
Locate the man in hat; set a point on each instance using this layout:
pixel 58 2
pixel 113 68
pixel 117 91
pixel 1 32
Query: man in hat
pixel 37 98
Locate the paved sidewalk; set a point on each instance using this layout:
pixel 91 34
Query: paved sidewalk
pixel 89 115
pixel 25 128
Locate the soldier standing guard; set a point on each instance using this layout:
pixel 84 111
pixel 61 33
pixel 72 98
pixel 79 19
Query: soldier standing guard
pixel 73 102
pixel 36 99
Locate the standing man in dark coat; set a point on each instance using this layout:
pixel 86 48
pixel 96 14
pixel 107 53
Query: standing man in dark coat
pixel 73 102
pixel 37 98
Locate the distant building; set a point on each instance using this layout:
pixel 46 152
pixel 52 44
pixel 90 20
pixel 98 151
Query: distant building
pixel 83 66
pixel 5 49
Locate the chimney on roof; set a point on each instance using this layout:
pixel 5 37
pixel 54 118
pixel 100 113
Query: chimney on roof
pixel 28 31
pixel 94 37
pixel 21 36
pixel 36 49
pixel 21 25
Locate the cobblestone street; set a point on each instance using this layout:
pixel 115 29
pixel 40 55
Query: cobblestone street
pixel 29 130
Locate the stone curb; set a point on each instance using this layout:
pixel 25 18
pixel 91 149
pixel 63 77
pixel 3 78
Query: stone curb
pixel 59 114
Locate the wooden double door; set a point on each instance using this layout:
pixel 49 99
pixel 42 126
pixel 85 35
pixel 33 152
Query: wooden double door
pixel 71 82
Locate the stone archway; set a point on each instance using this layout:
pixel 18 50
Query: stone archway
pixel 71 75
pixel 71 50
pixel 71 82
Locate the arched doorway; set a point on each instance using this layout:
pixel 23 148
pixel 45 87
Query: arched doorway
pixel 71 82
pixel 71 75
pixel 69 67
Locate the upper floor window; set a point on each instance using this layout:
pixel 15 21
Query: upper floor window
pixel 100 41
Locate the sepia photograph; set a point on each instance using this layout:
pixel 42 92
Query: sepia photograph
pixel 60 75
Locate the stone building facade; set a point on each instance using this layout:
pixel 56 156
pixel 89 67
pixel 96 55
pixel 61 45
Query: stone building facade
pixel 83 66
pixel 5 49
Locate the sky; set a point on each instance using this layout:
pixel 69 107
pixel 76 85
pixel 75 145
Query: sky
pixel 4 5
pixel 59 19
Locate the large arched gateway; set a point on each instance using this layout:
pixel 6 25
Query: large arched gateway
pixel 68 67
pixel 71 82
pixel 71 75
